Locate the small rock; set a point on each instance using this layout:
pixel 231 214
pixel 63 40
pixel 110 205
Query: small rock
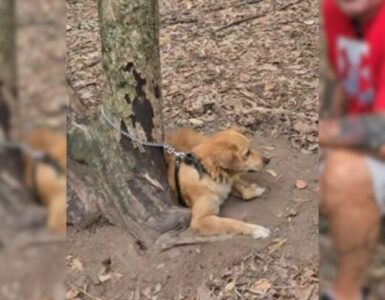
pixel 301 184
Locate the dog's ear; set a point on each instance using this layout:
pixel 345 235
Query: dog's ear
pixel 227 158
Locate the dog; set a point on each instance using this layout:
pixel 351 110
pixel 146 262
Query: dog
pixel 47 177
pixel 224 157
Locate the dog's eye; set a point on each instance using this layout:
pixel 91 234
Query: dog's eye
pixel 248 153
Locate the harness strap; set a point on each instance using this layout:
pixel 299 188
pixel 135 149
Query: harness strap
pixel 191 160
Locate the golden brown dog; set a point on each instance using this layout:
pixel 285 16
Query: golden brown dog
pixel 44 179
pixel 225 156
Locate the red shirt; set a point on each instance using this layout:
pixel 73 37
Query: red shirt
pixel 358 60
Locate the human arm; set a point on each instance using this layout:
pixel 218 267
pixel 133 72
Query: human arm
pixel 363 133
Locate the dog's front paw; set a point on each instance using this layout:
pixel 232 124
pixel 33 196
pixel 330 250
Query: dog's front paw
pixel 252 192
pixel 259 191
pixel 260 232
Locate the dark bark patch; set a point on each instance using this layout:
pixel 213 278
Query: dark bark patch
pixel 144 115
pixel 5 113
pixel 140 83
pixel 128 67
pixel 127 98
pixel 156 91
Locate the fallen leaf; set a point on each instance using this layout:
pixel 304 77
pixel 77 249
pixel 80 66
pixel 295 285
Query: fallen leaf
pixel 260 287
pixel 272 172
pixel 230 286
pixel 277 245
pixel 301 184
pixel 269 86
pixel 157 288
pixel 76 264
pixel 104 278
pixel 72 293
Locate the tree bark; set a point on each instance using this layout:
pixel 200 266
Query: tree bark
pixel 7 64
pixel 128 179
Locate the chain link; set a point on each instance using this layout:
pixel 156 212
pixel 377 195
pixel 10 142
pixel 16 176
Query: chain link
pixel 168 148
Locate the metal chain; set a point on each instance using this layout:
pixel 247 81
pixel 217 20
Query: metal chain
pixel 169 149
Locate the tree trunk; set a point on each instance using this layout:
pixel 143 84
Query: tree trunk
pixel 7 64
pixel 128 179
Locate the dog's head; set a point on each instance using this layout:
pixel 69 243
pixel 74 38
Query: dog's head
pixel 231 151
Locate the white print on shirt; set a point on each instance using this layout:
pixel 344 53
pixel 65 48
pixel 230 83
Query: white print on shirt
pixel 354 70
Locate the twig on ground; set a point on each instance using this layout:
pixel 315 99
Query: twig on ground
pixel 222 7
pixel 254 17
pixel 185 241
pixel 276 111
pixel 177 21
pixel 238 22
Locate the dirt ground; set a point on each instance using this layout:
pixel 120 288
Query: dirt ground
pixel 248 63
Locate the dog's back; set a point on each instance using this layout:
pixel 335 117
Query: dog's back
pixel 185 139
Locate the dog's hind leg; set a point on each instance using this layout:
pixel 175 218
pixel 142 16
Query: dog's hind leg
pixel 214 225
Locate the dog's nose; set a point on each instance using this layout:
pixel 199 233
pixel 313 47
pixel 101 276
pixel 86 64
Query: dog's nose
pixel 266 160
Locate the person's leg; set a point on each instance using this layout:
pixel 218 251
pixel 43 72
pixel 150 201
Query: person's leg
pixel 347 200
